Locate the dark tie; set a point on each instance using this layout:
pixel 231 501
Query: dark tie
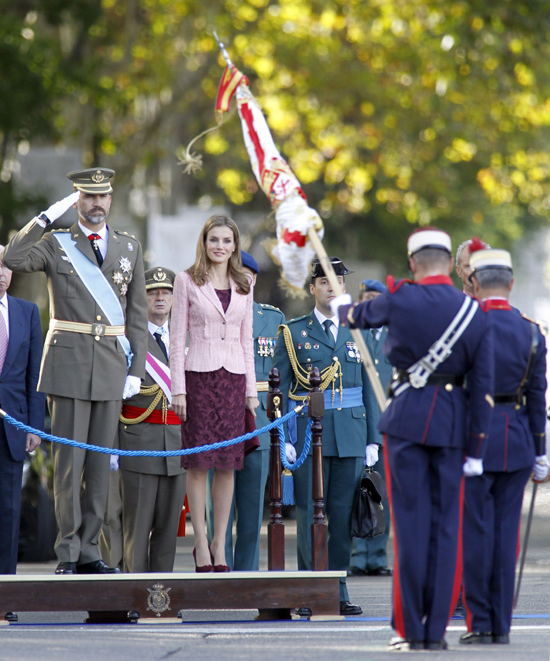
pixel 3 341
pixel 158 338
pixel 94 238
pixel 327 324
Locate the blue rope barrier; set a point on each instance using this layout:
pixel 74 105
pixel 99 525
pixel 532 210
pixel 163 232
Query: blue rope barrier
pixel 151 453
pixel 305 450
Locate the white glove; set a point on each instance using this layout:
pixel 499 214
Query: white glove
pixel 540 468
pixel 472 467
pixel 113 462
pixel 290 452
pixel 343 299
pixel 371 454
pixel 131 386
pixel 59 208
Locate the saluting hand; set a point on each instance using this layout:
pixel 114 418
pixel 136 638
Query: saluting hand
pixel 179 404
pixel 251 404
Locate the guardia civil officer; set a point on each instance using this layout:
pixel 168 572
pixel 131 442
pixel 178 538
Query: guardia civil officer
pixel 153 488
pixel 315 340
pixel 248 497
pixel 492 501
pixel 94 352
pixel 437 339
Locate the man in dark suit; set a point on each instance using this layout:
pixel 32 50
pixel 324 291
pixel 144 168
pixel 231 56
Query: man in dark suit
pixel 20 355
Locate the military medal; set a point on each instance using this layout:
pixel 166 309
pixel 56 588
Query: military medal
pixel 118 278
pixel 125 265
pixel 299 346
pixel 130 247
pixel 303 333
pixel 307 345
pixel 315 346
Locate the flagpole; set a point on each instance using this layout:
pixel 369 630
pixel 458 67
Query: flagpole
pixel 355 332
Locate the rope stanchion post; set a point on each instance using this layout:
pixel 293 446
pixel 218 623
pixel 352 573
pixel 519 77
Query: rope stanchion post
pixel 319 532
pixel 275 527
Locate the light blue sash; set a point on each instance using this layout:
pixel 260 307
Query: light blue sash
pixel 350 397
pixel 98 286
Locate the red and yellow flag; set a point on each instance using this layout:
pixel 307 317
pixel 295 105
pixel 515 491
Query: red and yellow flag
pixel 231 79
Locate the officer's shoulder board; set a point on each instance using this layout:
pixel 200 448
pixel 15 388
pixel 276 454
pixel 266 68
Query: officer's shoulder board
pixel 296 320
pixel 541 324
pixel 60 230
pixel 266 306
pixel 130 237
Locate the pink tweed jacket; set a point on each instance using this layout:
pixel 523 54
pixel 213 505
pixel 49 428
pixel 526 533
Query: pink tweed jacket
pixel 216 339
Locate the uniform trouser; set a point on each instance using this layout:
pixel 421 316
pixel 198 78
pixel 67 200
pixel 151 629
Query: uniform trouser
pixel 151 508
pixel 11 473
pixel 341 479
pixel 425 493
pixel 370 554
pixel 111 538
pixel 81 478
pixel 248 504
pixel 492 512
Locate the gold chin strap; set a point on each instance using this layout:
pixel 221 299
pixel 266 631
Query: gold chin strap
pixel 148 392
pixel 328 375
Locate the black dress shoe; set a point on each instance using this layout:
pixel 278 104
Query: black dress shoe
pixel 405 644
pixel 355 571
pixel 66 568
pixel 11 617
pixel 97 567
pixel 380 571
pixel 436 644
pixel 303 611
pixel 498 638
pixel 476 638
pixel 347 608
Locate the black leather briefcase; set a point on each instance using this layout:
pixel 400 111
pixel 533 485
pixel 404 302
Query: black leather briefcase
pixel 367 515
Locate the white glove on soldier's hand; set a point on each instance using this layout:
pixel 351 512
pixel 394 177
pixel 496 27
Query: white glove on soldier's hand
pixel 540 468
pixel 371 454
pixel 472 467
pixel 290 452
pixel 59 208
pixel 113 462
pixel 131 387
pixel 343 299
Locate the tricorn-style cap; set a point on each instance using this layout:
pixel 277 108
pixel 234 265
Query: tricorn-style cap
pixel 317 271
pixel 159 278
pixel 428 237
pixel 249 262
pixel 94 181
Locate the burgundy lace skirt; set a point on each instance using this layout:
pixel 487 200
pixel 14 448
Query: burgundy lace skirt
pixel 215 412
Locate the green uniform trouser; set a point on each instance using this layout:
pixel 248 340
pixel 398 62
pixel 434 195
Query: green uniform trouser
pixel 341 478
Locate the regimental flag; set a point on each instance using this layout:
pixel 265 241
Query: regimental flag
pixel 231 79
pixel 291 250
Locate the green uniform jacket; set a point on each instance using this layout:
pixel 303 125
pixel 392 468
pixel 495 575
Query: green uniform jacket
pixel 267 320
pixel 76 365
pixel 150 436
pixel 344 430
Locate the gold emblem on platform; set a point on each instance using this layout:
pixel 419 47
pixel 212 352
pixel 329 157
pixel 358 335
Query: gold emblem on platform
pixel 158 600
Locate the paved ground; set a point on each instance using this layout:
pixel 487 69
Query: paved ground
pixel 216 635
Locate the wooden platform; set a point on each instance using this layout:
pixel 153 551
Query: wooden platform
pixel 128 597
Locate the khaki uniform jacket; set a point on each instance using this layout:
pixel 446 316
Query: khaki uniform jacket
pixel 150 436
pixel 76 365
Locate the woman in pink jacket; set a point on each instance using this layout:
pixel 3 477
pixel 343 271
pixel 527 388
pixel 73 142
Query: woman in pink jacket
pixel 215 382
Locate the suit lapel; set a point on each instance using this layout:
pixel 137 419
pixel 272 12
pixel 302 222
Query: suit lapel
pixel 113 251
pixel 210 293
pixel 16 332
pixel 83 243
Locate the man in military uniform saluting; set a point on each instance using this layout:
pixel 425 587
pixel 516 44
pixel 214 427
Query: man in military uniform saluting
pixel 492 501
pixel 94 354
pixel 153 488
pixel 437 337
pixel 315 340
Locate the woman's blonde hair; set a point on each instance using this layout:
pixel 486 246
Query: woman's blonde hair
pixel 199 270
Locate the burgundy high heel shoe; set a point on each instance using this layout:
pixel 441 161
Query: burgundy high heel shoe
pixel 218 568
pixel 203 569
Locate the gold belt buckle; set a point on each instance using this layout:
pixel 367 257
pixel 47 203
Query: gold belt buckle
pixel 99 329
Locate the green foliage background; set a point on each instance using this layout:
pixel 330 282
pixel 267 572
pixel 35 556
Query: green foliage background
pixel 393 114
